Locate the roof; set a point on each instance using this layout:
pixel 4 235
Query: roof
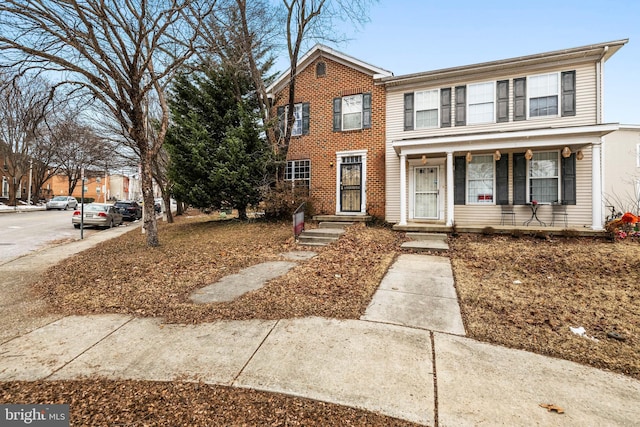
pixel 595 52
pixel 320 50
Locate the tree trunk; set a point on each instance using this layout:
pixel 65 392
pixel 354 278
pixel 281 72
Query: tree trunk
pixel 242 213
pixel 150 224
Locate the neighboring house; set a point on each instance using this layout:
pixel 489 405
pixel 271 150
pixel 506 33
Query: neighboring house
pixel 58 185
pixel 622 169
pixel 118 188
pixel 461 142
pixel 337 147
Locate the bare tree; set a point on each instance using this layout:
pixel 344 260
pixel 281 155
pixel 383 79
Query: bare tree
pixel 77 147
pixel 118 51
pixel 24 105
pixel 314 20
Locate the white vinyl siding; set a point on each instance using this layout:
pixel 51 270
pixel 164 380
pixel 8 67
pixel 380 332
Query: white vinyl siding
pixel 426 106
pixel 585 107
pixel 392 185
pixel 480 103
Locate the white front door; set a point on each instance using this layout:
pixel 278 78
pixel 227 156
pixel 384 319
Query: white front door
pixel 426 192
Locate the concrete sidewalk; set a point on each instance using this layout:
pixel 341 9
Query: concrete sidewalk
pixel 414 373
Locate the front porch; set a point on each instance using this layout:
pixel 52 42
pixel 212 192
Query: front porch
pixel 500 229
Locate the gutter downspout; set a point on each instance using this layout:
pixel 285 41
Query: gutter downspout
pixel 597 202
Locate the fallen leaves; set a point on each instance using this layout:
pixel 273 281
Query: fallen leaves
pixel 147 403
pixel 525 293
pixel 552 408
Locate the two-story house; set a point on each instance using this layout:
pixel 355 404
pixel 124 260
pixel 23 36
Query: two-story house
pixel 471 144
pixel 338 144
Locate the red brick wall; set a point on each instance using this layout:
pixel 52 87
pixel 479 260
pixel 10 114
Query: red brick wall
pixel 322 143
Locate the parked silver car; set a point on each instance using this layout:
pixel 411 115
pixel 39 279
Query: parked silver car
pixel 98 215
pixel 62 202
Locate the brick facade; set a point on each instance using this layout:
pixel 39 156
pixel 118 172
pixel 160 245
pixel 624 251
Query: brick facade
pixel 321 144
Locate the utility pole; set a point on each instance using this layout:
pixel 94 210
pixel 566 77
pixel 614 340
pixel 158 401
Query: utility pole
pixel 30 176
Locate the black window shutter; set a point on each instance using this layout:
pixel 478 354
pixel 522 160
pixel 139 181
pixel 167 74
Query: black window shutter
pixel 519 179
pixel 366 111
pixel 502 180
pixel 445 107
pixel 459 180
pixel 408 111
pixel 568 93
pixel 569 180
pixel 280 113
pixel 337 114
pixel 461 105
pixel 520 99
pixel 305 118
pixel 502 101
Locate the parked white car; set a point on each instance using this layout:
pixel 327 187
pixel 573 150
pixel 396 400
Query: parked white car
pixel 62 202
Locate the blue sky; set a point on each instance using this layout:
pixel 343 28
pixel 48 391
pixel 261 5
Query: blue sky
pixel 409 36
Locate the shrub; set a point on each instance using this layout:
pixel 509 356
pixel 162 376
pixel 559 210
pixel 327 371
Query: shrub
pixel 516 233
pixel 281 201
pixel 488 231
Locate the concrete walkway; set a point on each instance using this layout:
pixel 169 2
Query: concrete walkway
pixel 415 373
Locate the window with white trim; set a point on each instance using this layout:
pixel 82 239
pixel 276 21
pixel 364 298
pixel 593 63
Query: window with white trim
pixel 544 177
pixel 299 173
pixel 352 112
pixel 542 93
pixel 480 180
pixel 481 98
pixel 427 104
pixel 297 119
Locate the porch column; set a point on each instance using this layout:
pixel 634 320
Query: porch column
pixel 450 205
pixel 596 187
pixel 403 189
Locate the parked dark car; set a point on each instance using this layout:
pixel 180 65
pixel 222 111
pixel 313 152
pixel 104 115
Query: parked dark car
pixel 129 209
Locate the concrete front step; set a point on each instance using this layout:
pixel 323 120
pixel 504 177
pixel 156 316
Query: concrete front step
pixel 426 245
pixel 427 236
pixel 319 236
pixel 342 218
pixel 332 224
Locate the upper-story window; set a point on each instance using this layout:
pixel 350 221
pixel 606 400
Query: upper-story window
pixel 481 98
pixel 543 95
pixel 300 119
pixel 352 112
pixel 426 108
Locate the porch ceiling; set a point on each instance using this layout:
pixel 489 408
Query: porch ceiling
pixel 573 136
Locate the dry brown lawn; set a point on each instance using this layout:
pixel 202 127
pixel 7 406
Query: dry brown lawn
pixel 526 293
pixel 519 292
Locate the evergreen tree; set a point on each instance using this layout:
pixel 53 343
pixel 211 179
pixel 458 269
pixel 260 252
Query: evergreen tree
pixel 218 156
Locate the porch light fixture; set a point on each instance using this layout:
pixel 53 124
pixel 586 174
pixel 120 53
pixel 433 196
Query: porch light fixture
pixel 580 155
pixel 566 152
pixel 528 154
pixel 469 157
pixel 424 159
pixel 497 155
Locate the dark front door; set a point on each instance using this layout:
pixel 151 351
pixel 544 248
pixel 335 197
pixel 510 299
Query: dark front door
pixel 351 184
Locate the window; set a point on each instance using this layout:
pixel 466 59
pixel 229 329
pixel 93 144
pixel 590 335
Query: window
pixel 97 189
pixel 301 119
pixel 544 182
pixel 299 173
pixel 426 106
pixel 352 112
pixel 543 95
pixel 480 172
pixel 481 97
